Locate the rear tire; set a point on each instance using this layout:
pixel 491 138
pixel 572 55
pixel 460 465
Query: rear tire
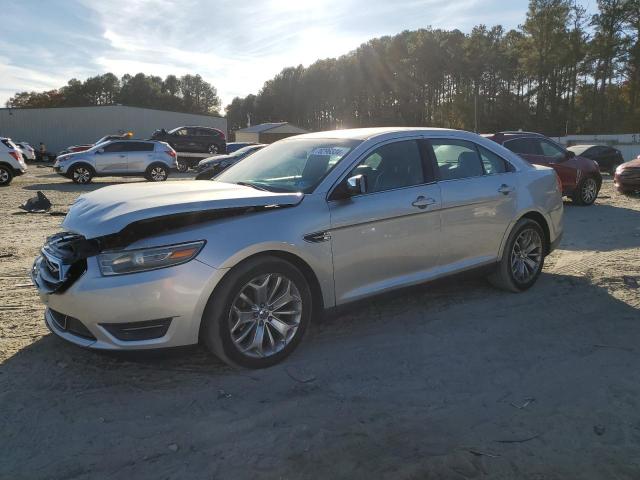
pixel 81 174
pixel 6 175
pixel 586 192
pixel 236 313
pixel 522 259
pixel 182 166
pixel 157 173
pixel 213 149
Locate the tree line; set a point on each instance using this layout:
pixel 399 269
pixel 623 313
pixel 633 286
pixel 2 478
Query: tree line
pixel 189 93
pixel 561 71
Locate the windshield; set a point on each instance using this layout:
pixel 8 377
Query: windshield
pixel 295 165
pixel 243 151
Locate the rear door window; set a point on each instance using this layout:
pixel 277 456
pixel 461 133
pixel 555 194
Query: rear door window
pixel 492 163
pixel 456 159
pixel 523 146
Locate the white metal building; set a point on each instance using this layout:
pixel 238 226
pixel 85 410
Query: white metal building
pixel 60 127
pixel 267 132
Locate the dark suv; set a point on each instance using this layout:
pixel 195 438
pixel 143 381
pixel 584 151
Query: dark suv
pixel 193 139
pixel 580 176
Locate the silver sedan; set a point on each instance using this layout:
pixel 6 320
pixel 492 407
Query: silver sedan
pixel 244 262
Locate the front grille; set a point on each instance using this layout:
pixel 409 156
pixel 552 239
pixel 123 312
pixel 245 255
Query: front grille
pixel 71 325
pixel 59 264
pixel 630 173
pixel 146 330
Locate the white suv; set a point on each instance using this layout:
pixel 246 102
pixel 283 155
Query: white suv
pixel 11 161
pixel 28 152
pixel 151 159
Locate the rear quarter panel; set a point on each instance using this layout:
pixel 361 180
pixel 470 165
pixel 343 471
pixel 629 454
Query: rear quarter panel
pixel 538 192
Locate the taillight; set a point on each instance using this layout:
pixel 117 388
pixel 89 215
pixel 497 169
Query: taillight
pixel 171 153
pixel 16 155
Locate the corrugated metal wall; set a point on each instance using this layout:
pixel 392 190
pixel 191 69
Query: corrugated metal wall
pixel 627 143
pixel 60 127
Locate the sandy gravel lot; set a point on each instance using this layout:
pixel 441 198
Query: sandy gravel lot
pixel 451 380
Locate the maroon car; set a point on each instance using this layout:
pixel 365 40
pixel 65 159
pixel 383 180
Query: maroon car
pixel 580 176
pixel 627 177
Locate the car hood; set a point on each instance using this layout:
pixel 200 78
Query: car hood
pixel 630 164
pixel 66 156
pixel 209 161
pixel 109 210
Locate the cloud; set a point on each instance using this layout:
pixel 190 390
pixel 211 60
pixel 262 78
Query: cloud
pixel 235 45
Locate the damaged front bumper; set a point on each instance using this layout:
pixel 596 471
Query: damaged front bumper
pixel 152 309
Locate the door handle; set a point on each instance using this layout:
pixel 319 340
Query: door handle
pixel 505 189
pixel 423 202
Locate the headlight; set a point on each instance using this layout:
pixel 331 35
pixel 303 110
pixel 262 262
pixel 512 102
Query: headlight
pixel 131 261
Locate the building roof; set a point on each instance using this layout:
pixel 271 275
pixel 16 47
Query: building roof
pixel 264 127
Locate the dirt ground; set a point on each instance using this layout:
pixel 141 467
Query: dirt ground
pixel 451 380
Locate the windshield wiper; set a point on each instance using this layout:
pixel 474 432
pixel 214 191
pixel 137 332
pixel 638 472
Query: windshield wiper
pixel 253 185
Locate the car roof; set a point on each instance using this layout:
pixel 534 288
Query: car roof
pixel 584 148
pixel 513 134
pixel 118 140
pixel 368 133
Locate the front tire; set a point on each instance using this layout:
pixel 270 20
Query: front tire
pixel 258 314
pixel 6 175
pixel 157 173
pixel 81 174
pixel 213 149
pixel 586 192
pixel 522 259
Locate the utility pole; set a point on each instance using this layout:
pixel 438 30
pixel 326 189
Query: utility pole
pixel 475 112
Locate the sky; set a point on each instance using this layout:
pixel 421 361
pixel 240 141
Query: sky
pixel 234 45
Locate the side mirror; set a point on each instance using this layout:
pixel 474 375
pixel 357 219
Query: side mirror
pixel 569 155
pixel 357 185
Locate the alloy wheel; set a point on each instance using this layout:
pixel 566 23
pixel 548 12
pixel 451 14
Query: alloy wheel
pixel 213 149
pixel 526 255
pixel 158 174
pixel 589 190
pixel 265 315
pixel 182 167
pixel 81 175
pixel 4 176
